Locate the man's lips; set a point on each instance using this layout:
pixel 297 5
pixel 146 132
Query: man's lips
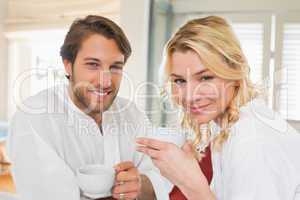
pixel 100 93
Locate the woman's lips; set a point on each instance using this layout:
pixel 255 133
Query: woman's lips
pixel 198 109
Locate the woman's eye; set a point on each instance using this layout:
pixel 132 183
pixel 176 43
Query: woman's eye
pixel 206 78
pixel 179 81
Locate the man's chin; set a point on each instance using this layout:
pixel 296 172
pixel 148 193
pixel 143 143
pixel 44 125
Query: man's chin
pixel 98 108
pixel 101 106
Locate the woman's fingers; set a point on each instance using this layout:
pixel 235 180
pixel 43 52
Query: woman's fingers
pixel 152 143
pixel 188 147
pixel 154 154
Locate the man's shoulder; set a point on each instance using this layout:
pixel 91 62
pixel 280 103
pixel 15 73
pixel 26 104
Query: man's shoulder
pixel 39 97
pixel 123 104
pixel 122 101
pixel 42 101
pixel 128 108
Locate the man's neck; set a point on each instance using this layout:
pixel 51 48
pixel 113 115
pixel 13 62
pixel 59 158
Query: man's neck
pixel 97 116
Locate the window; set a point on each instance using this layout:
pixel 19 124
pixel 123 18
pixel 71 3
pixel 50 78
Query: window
pixel 251 36
pixel 47 66
pixel 288 85
pixel 34 64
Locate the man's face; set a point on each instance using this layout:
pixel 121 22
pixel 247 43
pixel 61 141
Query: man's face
pixel 96 74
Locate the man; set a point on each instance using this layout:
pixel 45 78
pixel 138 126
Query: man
pixel 83 123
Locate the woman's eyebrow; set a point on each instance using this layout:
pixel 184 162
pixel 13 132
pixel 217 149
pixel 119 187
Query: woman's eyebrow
pixel 200 72
pixel 176 75
pixel 195 74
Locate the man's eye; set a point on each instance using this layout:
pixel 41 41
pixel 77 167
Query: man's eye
pixel 92 64
pixel 206 78
pixel 179 81
pixel 115 68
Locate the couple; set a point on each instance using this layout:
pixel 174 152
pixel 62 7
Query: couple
pixel 254 151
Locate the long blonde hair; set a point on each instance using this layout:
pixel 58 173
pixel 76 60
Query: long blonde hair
pixel 213 39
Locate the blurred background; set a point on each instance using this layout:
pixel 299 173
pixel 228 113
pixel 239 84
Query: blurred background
pixel 32 31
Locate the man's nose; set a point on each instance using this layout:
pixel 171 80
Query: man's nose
pixel 105 79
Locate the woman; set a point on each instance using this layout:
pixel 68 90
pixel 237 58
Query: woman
pixel 254 151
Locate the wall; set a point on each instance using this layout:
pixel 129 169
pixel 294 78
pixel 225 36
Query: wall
pixel 183 6
pixel 134 19
pixel 3 61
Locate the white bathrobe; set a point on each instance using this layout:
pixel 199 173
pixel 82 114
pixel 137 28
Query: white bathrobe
pixel 260 160
pixel 50 138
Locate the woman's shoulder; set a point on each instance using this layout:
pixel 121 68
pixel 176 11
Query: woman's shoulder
pixel 258 121
pixel 263 131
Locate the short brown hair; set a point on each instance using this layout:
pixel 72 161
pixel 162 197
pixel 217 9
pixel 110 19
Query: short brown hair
pixel 92 24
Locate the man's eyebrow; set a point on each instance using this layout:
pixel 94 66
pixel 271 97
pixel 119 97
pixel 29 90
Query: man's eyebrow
pixel 98 60
pixel 119 63
pixel 92 59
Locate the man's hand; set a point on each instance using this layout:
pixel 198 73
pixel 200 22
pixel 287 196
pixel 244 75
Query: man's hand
pixel 128 183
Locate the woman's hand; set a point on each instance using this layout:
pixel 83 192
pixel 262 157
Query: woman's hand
pixel 172 161
pixel 179 165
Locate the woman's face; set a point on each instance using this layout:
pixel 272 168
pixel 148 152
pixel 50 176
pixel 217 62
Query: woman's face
pixel 202 94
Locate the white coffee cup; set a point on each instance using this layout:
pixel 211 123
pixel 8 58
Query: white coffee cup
pixel 168 135
pixel 96 181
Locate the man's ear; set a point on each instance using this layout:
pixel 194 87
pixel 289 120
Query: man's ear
pixel 68 67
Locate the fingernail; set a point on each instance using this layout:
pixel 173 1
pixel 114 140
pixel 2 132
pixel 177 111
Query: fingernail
pixel 138 148
pixel 189 141
pixel 138 140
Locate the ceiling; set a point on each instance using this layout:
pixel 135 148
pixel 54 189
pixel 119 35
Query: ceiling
pixel 27 14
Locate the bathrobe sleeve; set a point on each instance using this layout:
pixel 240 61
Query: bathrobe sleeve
pixel 261 170
pixel 38 171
